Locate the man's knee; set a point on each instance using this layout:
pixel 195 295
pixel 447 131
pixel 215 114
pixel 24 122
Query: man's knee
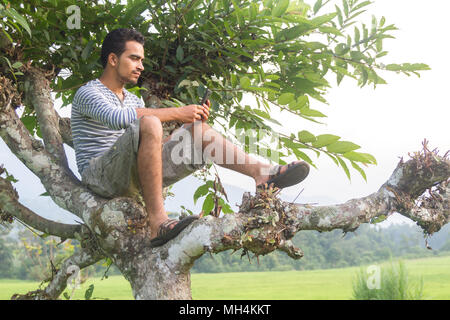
pixel 151 127
pixel 197 128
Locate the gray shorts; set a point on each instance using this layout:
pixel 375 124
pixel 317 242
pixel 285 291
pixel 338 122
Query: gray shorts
pixel 115 174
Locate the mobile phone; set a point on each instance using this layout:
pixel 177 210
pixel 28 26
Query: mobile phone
pixel 205 97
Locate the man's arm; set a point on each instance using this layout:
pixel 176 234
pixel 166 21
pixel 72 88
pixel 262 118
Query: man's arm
pixel 164 114
pixel 186 114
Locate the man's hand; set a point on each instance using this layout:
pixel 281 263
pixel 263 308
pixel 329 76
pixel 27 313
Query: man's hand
pixel 193 112
pixel 186 114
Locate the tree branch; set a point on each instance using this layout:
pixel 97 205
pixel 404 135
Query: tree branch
pixel 58 283
pixel 264 223
pixel 37 89
pixel 66 131
pixel 9 203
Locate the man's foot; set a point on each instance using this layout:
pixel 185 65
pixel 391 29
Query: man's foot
pixel 285 176
pixel 170 228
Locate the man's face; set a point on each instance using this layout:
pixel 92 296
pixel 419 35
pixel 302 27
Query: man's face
pixel 129 66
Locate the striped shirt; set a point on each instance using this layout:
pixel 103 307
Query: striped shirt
pixel 98 119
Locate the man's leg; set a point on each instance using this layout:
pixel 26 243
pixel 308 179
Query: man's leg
pixel 232 156
pixel 149 164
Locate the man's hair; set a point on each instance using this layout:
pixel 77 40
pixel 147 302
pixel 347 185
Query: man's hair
pixel 115 41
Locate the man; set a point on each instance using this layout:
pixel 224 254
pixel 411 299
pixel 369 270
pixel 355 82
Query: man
pixel 119 146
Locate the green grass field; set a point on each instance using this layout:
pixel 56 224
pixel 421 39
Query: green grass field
pixel 288 285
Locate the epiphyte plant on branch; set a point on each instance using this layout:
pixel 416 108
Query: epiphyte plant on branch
pixel 284 54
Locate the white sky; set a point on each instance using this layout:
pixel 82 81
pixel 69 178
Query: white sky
pixel 387 122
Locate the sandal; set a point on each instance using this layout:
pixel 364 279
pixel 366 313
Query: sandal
pixel 295 173
pixel 170 228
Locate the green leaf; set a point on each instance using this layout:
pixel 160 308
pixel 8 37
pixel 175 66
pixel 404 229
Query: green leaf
pixel 379 45
pixel 332 158
pixel 378 219
pixel 374 25
pixel 9 63
pixel 13 14
pixel 341 49
pixel 357 56
pixel 245 82
pixel 306 136
pixel 355 15
pixel 342 147
pixel 394 67
pixel 237 12
pixel 365 76
pixel 302 102
pixel 29 122
pixel 331 30
pixel 418 66
pixel 280 8
pixel 357 35
pixel 208 204
pixel 87 51
pixel 225 207
pixel 200 192
pixel 312 113
pixel 89 291
pixel 361 171
pixel 360 157
pixel 304 156
pixel 133 11
pixel 233 80
pixel 345 5
pixel 369 157
pixel 286 98
pixel 11 178
pixel 407 67
pixel 262 114
pixel 344 167
pixel 6 33
pixel 180 53
pixel 262 89
pixel 324 140
pixel 228 29
pixel 253 11
pixel 317 6
pixel 382 54
pixel 294 32
pixel 362 4
pixel 339 77
pixel 17 65
pixel 339 14
pixel 323 19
